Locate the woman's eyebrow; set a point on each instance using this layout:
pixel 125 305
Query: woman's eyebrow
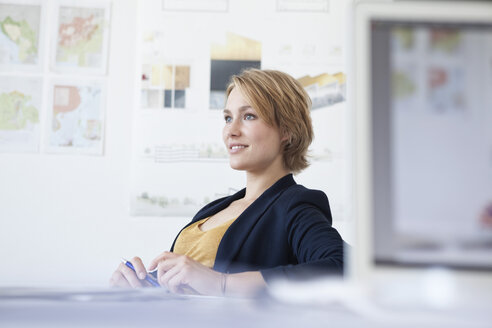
pixel 241 109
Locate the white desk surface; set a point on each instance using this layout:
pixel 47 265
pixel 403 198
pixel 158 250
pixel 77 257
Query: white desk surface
pixel 290 306
pixel 127 308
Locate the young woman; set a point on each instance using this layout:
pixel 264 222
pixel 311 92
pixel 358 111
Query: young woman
pixel 274 228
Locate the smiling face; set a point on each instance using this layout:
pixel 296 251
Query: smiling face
pixel 253 145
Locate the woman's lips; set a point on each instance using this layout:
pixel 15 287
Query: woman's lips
pixel 234 148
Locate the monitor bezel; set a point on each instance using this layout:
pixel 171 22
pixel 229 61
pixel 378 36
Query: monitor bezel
pixel 363 259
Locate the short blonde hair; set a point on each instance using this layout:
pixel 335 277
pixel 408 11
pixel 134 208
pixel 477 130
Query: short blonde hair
pixel 280 101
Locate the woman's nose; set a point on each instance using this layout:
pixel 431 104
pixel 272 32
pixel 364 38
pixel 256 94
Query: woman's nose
pixel 234 128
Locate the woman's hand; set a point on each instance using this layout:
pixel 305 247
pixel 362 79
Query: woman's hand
pixel 126 277
pixel 180 274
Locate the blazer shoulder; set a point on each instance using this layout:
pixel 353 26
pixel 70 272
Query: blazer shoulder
pixel 298 196
pixel 299 192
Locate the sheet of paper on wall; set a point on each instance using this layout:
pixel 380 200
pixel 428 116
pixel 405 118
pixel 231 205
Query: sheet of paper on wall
pixel 178 168
pixel 180 162
pixel 317 61
pixel 232 55
pixel 196 5
pixel 81 32
pixel 21 35
pixel 20 108
pixel 75 122
pixel 303 6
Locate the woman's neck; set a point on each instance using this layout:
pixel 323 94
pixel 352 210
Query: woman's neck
pixel 256 184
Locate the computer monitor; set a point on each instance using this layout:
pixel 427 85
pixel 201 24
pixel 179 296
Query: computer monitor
pixel 423 133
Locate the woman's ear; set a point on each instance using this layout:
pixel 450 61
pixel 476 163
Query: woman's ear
pixel 286 137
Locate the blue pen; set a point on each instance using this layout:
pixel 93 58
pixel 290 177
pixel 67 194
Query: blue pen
pixel 150 277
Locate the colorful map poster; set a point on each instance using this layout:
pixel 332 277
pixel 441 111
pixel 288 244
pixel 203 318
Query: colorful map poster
pixel 19 36
pixel 81 38
pixel 20 105
pixel 76 122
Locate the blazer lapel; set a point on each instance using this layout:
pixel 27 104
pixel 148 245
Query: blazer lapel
pixel 203 213
pixel 219 206
pixel 239 230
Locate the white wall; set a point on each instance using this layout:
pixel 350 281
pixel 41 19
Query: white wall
pixel 64 219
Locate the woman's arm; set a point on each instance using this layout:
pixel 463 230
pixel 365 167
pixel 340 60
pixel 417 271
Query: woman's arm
pixel 181 274
pixel 316 245
pixel 244 283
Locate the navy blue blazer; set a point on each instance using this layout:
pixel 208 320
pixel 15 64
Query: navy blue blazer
pixel 286 233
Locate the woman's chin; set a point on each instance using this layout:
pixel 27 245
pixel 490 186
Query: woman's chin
pixel 237 166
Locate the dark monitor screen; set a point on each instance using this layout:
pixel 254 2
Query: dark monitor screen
pixel 431 112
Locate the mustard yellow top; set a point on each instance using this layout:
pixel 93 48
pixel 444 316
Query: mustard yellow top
pixel 200 245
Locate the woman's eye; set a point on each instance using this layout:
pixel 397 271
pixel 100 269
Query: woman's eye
pixel 227 119
pixel 249 117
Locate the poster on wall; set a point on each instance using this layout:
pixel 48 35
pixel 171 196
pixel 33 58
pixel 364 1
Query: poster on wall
pixel 20 109
pixel 164 86
pixel 237 53
pixel 324 89
pixel 21 37
pixel 178 168
pixel 81 37
pixel 76 117
pixel 196 5
pixel 179 160
pixel 166 74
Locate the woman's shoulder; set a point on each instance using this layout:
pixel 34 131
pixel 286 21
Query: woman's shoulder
pixel 298 191
pixel 299 197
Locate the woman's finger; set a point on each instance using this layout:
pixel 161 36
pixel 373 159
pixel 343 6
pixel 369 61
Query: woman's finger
pixel 129 275
pixel 161 257
pixel 139 267
pixel 167 264
pixel 118 280
pixel 165 276
pixel 176 283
